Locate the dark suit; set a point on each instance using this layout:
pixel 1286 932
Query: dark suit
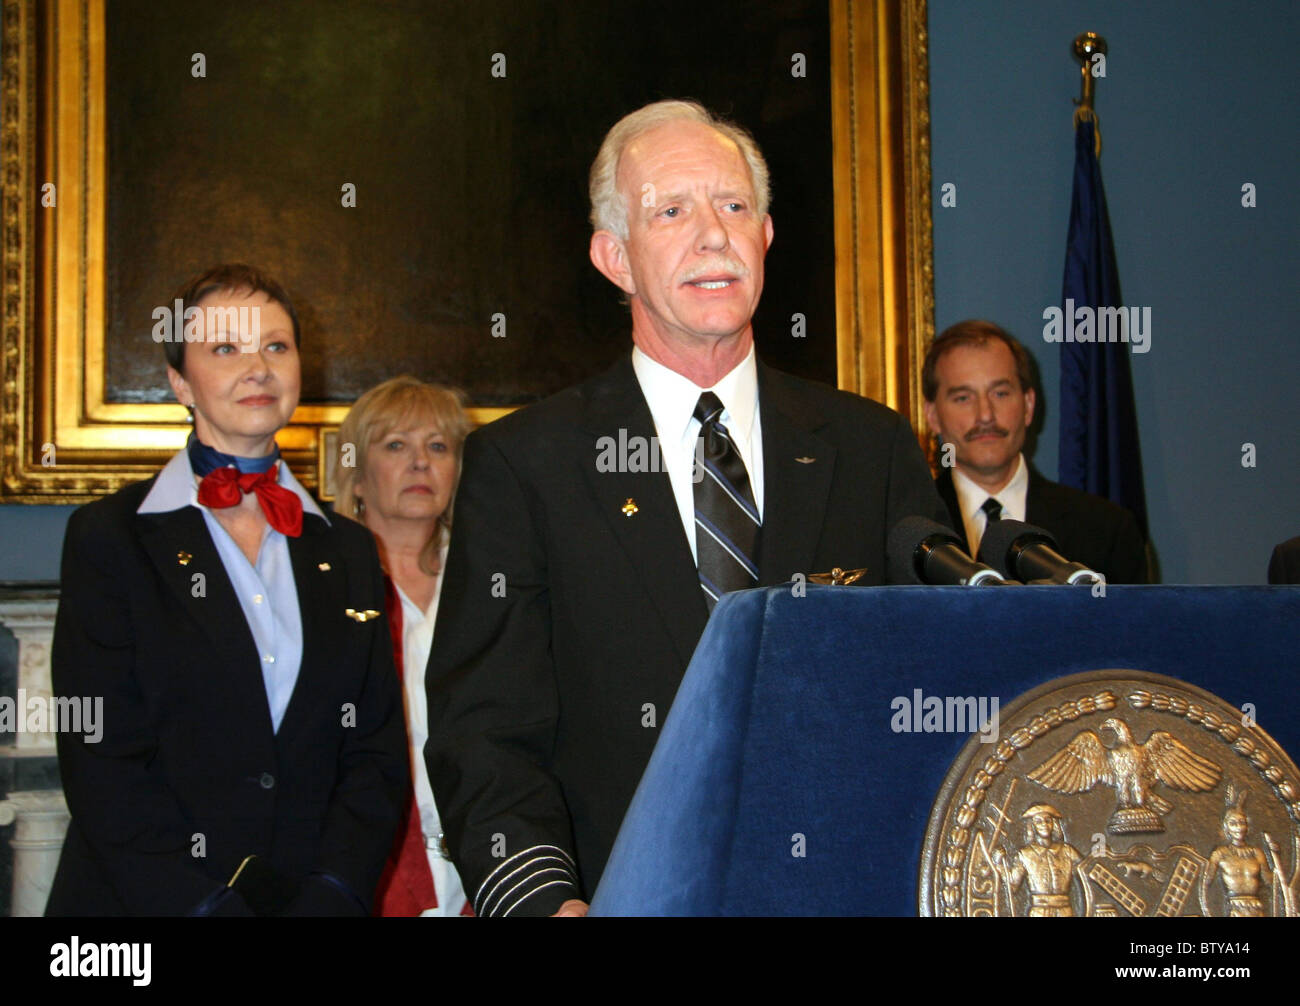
pixel 567 621
pixel 1284 564
pixel 188 762
pixel 1088 529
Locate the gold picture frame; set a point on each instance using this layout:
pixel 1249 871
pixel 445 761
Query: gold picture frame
pixel 61 441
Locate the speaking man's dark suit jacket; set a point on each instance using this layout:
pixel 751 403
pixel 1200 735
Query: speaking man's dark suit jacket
pixel 1088 529
pixel 572 605
pixel 189 778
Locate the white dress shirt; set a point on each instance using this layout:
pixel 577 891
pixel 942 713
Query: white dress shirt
pixel 417 640
pixel 971 497
pixel 672 399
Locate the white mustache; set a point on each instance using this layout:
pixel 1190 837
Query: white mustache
pixel 729 266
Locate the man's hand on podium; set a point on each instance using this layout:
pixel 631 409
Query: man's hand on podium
pixel 571 909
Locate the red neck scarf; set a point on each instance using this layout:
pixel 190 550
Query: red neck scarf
pixel 226 487
pixel 226 478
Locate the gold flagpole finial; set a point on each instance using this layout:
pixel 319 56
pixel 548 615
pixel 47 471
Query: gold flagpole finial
pixel 1090 50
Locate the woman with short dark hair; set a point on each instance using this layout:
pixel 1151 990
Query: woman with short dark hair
pixel 253 755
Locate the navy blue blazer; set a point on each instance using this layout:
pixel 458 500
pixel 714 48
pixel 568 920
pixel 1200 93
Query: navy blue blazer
pixel 189 777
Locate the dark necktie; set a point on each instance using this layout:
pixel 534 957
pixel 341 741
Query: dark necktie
pixel 992 509
pixel 726 518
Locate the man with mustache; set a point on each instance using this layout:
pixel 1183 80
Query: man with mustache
pixel 577 588
pixel 979 398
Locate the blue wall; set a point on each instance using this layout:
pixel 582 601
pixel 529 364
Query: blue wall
pixel 30 540
pixel 1198 99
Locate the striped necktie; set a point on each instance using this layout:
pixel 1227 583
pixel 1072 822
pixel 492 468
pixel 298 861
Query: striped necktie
pixel 726 517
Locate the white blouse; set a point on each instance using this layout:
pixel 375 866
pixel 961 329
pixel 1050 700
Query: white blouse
pixel 417 640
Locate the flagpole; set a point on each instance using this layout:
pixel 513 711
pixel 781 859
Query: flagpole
pixel 1085 47
pixel 1100 451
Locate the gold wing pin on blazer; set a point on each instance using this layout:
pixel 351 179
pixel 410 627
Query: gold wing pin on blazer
pixel 837 577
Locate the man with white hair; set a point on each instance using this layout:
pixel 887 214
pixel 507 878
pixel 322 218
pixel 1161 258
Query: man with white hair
pixel 596 530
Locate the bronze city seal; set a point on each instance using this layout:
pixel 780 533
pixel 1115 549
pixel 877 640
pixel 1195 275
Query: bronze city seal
pixel 1116 793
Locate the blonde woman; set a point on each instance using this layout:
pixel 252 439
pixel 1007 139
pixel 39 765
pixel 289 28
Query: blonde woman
pixel 398 465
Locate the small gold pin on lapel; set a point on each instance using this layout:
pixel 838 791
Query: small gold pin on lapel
pixel 183 558
pixel 361 616
pixel 630 507
pixel 324 567
pixel 805 461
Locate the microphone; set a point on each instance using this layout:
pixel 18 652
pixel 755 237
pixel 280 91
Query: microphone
pixel 1029 552
pixel 931 554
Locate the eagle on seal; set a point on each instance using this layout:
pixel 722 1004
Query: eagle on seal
pixel 1132 770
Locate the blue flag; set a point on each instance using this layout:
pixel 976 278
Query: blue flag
pixel 1099 438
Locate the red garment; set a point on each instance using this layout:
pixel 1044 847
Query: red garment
pixel 225 487
pixel 406 885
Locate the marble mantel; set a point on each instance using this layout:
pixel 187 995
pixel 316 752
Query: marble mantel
pixel 30 800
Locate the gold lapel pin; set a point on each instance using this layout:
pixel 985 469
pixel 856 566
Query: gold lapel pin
pixel 805 461
pixel 837 577
pixel 183 558
pixel 361 616
pixel 324 567
pixel 630 507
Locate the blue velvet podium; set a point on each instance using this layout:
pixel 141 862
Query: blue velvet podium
pixel 781 729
